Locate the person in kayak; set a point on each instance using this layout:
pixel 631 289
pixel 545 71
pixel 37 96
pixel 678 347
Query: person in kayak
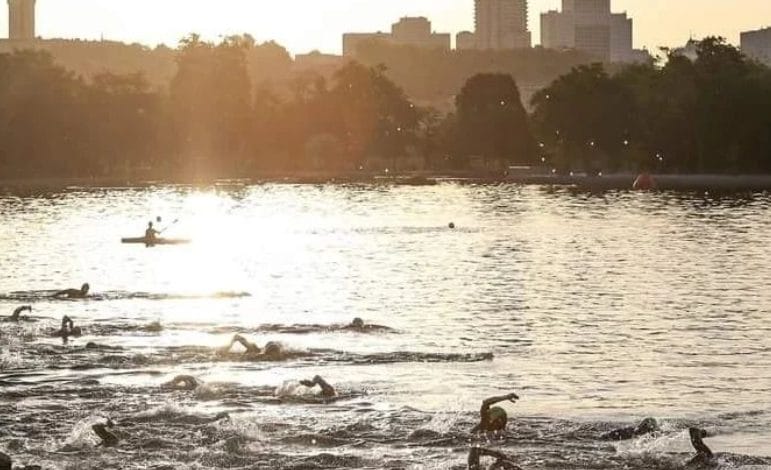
pixel 272 351
pixel 494 419
pixel 502 461
pixel 15 316
pixel 327 391
pixel 151 234
pixel 81 293
pixel 646 426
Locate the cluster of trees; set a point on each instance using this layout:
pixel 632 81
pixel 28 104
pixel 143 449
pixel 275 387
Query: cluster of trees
pixel 222 115
pixel 708 115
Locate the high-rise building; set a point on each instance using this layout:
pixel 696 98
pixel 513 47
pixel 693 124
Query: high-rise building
pixel 465 40
pixel 501 24
pixel 408 31
pixel 589 26
pixel 21 20
pixel 757 45
pixel 416 31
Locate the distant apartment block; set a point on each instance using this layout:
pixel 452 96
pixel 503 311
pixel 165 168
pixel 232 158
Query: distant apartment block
pixel 500 24
pixel 589 26
pixel 465 40
pixel 409 31
pixel 757 45
pixel 21 20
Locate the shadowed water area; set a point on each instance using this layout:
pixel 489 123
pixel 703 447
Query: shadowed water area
pixel 597 309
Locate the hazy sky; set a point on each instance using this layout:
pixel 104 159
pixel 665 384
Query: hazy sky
pixel 302 25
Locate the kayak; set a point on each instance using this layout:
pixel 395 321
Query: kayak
pixel 156 241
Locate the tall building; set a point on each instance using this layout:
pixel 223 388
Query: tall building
pixel 589 26
pixel 465 40
pixel 757 45
pixel 408 31
pixel 416 31
pixel 501 24
pixel 21 20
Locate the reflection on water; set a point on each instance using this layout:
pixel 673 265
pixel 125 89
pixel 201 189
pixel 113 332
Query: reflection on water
pixel 598 309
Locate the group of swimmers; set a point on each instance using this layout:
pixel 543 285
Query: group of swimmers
pixel 492 418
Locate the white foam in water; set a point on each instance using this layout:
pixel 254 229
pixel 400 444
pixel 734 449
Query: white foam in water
pixel 82 435
pixel 293 388
pixel 655 445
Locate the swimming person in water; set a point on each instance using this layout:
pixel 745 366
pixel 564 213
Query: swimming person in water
pixel 81 293
pixel 182 382
pixel 108 438
pixel 68 329
pixel 327 390
pixel 704 455
pixel 15 316
pixel 494 418
pixel 646 426
pixel 502 462
pixel 272 349
pixel 358 325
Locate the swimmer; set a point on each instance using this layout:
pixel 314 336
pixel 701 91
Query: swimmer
pixel 327 390
pixel 108 439
pixel 81 293
pixel 494 419
pixel 15 315
pixel 182 382
pixel 502 462
pixel 358 325
pixel 704 455
pixel 272 349
pixel 69 328
pixel 646 426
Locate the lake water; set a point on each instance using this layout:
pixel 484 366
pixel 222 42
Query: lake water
pixel 597 309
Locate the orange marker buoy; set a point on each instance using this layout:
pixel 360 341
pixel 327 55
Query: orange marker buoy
pixel 644 182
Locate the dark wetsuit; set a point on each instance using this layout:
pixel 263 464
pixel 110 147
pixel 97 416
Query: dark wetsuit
pixel 704 455
pixel 15 316
pixel 108 439
pixel 327 390
pixel 502 462
pixel 646 426
pixel 493 419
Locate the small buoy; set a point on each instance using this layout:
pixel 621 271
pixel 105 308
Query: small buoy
pixel 452 225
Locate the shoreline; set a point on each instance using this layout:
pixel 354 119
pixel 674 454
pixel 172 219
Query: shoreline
pixel 665 182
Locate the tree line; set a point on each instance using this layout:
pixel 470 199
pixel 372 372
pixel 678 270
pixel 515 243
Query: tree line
pixel 215 120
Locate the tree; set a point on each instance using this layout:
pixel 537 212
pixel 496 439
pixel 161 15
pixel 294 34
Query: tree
pixel 492 121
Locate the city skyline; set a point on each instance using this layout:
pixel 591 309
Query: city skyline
pixel 657 22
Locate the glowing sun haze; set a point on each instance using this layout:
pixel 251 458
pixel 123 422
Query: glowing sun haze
pixel 303 25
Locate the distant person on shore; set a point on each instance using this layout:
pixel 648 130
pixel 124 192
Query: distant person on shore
pixel 272 350
pixel 646 426
pixel 16 315
pixel 81 293
pixel 502 461
pixel 182 382
pixel 494 418
pixel 327 391
pixel 151 234
pixel 644 182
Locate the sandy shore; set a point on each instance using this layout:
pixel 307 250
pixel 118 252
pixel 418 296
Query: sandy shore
pixel 593 183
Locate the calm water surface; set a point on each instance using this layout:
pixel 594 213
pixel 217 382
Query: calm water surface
pixel 598 310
